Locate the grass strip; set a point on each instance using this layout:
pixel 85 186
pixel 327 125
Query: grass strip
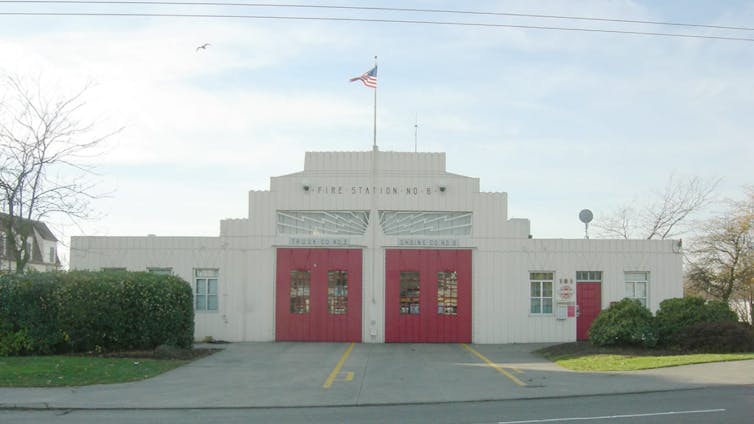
pixel 54 371
pixel 583 356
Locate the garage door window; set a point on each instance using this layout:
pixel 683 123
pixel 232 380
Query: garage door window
pixel 409 293
pixel 337 292
pixel 299 291
pixel 447 293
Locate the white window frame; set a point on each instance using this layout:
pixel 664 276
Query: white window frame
pixel 541 281
pixel 204 281
pixel 632 280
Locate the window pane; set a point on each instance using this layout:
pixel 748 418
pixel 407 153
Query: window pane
pixel 447 293
pixel 299 292
pixel 636 276
pixel 536 289
pixel 547 289
pixel 212 303
pixel 212 286
pixel 547 305
pixel 201 302
pixel 201 286
pixel 409 301
pixel 640 290
pixel 160 271
pixel 536 307
pixel 337 292
pixel 206 273
pixel 630 290
pixel 540 275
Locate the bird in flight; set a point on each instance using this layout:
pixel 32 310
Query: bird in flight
pixel 203 46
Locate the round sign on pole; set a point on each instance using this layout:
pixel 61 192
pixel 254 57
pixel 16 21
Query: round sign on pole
pixel 586 217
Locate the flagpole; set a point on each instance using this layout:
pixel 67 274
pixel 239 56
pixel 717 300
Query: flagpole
pixel 374 143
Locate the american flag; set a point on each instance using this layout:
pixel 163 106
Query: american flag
pixel 369 78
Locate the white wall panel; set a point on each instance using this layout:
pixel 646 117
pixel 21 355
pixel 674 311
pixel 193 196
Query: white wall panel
pixel 503 255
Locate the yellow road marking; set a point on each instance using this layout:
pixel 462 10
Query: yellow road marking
pixel 337 368
pixel 345 376
pixel 495 366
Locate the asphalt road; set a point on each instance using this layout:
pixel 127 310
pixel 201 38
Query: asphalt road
pixel 731 404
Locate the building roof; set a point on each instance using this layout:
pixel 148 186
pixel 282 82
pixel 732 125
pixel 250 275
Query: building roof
pixel 40 227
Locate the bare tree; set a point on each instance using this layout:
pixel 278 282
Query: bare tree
pixel 721 262
pixel 663 217
pixel 42 172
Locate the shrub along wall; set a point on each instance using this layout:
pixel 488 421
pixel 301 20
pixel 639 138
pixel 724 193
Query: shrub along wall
pixel 677 314
pixel 687 324
pixel 94 311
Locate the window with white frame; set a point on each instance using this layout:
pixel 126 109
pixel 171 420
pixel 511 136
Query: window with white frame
pixel 51 255
pixel 205 289
pixel 636 286
pixel 540 292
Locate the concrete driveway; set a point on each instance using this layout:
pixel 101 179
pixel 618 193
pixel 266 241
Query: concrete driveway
pixel 335 374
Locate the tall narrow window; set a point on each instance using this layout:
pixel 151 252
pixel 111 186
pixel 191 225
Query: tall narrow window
pixel 51 255
pixel 205 289
pixel 299 291
pixel 447 293
pixel 337 292
pixel 636 286
pixel 409 293
pixel 540 284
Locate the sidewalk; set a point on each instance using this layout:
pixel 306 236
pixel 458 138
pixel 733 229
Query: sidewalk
pixel 250 375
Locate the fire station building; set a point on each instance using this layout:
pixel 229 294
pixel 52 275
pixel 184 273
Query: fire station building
pixel 389 247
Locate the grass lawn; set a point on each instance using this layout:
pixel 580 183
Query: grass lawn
pixel 51 371
pixel 582 356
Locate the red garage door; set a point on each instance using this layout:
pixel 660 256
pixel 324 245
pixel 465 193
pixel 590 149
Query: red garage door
pixel 428 296
pixel 589 299
pixel 318 295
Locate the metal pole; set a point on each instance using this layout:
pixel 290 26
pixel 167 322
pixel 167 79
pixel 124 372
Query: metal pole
pixel 374 145
pixel 416 132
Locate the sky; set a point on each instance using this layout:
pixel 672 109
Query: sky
pixel 560 120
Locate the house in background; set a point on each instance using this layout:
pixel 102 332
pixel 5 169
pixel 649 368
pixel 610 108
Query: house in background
pixel 44 248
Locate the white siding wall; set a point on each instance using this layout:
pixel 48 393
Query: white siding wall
pixel 503 255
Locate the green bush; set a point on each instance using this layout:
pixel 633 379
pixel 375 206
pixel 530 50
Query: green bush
pixel 28 307
pixel 624 323
pixel 716 337
pixel 676 314
pixel 97 311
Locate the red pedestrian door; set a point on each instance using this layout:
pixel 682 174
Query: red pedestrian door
pixel 589 301
pixel 428 296
pixel 318 295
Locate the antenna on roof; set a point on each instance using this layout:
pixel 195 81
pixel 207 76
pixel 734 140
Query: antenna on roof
pixel 416 131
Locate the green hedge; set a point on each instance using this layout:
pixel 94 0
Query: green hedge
pixel 716 337
pixel 677 314
pixel 94 311
pixel 29 314
pixel 624 323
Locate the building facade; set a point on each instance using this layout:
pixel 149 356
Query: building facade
pixel 390 247
pixel 42 243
